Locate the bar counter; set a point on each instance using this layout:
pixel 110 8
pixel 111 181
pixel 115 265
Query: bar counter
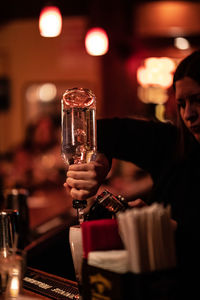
pixel 49 261
pixel 47 286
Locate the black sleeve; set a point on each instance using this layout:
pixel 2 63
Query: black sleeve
pixel 147 144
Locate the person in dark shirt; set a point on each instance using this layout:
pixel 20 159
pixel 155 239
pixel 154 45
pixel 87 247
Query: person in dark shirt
pixel 171 154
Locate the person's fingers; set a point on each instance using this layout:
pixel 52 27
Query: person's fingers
pixel 81 167
pixel 81 184
pixel 137 203
pixel 80 194
pixel 81 175
pixel 85 179
pixel 67 188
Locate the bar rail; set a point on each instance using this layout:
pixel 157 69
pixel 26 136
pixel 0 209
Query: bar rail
pixel 50 286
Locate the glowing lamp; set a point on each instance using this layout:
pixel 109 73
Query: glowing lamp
pixel 156 72
pixel 47 92
pixel 50 21
pixel 181 43
pixel 96 42
pixel 14 287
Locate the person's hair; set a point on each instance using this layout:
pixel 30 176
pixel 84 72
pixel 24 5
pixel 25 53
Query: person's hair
pixel 188 67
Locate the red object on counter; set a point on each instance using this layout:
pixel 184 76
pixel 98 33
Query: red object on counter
pixel 100 235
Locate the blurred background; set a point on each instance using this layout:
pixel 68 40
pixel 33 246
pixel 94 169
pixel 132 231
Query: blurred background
pixel 131 75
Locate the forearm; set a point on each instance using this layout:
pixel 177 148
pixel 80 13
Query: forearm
pixel 145 143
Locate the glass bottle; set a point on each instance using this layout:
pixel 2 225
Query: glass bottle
pixel 78 137
pixel 16 199
pixel 8 230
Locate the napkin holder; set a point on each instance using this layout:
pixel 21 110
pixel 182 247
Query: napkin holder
pixel 103 284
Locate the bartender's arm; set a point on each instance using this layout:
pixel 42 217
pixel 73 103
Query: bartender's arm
pixel 84 180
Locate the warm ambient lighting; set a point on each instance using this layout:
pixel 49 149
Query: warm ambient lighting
pixel 155 76
pixel 14 287
pixel 156 71
pixel 50 21
pixel 181 43
pixel 167 18
pixel 96 42
pixel 45 92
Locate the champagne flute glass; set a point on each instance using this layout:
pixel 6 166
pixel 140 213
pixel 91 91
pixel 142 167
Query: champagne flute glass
pixel 78 137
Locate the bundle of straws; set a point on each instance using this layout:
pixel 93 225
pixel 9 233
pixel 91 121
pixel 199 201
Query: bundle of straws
pixel 148 237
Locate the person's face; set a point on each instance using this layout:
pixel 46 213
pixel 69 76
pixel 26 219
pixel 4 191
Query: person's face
pixel 188 100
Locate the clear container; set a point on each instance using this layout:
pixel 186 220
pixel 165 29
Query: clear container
pixel 78 136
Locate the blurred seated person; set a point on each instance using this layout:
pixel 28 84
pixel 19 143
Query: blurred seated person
pixel 36 163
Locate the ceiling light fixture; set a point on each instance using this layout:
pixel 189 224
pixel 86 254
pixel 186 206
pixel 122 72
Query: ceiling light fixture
pixel 50 21
pixel 181 43
pixel 96 41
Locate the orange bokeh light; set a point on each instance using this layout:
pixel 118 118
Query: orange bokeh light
pixel 50 21
pixel 96 41
pixel 156 71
